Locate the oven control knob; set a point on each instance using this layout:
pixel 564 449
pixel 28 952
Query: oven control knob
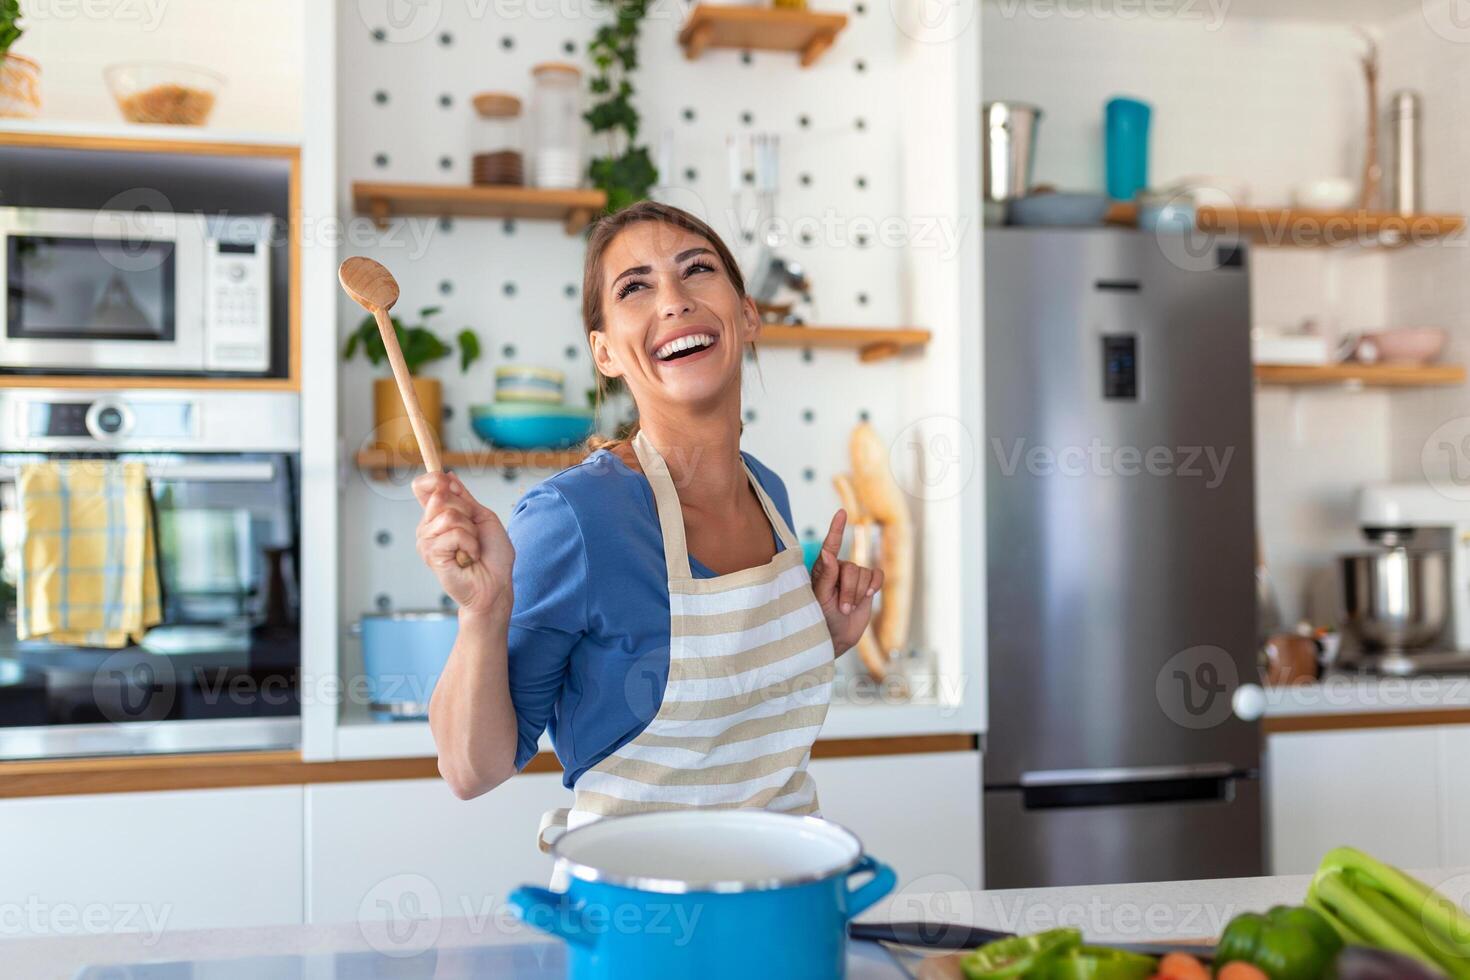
pixel 108 419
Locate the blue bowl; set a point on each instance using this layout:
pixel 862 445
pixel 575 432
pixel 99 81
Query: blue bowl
pixel 1060 210
pixel 548 428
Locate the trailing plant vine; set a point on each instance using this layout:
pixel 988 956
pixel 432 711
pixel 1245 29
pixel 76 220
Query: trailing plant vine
pixel 625 172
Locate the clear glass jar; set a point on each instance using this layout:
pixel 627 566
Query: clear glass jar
pixel 495 140
pixel 556 118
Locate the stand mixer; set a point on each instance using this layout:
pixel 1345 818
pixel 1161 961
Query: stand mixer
pixel 1407 602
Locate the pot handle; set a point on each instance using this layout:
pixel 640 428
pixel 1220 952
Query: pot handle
pixel 861 898
pixel 552 912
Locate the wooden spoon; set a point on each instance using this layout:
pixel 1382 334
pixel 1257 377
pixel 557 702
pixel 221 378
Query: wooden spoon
pixel 373 287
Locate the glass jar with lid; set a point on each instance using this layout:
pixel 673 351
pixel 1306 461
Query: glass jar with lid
pixel 556 118
pixel 495 140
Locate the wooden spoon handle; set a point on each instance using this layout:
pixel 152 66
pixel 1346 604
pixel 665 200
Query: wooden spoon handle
pixel 422 433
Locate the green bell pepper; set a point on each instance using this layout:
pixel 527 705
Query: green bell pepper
pixel 1287 943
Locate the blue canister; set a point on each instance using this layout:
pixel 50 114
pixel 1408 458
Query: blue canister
pixel 403 654
pixel 1125 128
pixel 714 894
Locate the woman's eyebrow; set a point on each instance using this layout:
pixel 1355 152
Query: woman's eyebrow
pixel 643 270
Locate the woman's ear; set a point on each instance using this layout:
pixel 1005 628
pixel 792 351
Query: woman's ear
pixel 602 355
pixel 752 327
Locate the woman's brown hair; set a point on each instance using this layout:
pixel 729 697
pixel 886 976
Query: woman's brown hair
pixel 603 232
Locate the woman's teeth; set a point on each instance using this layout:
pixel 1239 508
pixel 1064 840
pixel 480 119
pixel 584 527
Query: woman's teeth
pixel 674 347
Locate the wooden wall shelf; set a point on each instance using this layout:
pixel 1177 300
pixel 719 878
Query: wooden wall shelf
pixel 760 28
pixel 573 208
pixel 872 344
pixel 1364 375
pixel 377 463
pixel 1305 228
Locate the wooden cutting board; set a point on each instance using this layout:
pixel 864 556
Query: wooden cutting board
pixel 947 967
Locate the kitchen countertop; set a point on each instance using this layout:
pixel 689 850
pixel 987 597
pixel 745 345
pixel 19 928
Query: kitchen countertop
pixel 1106 913
pixel 1371 696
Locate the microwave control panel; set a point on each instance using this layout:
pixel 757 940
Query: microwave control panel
pixel 237 306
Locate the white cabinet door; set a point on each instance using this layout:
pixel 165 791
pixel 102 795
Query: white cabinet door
pixel 409 847
pixel 918 813
pixel 1454 778
pixel 1374 789
pixel 147 862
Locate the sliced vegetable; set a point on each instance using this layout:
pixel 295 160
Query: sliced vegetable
pixel 1240 970
pixel 1020 956
pixel 1287 943
pixel 1182 966
pixel 1100 963
pixel 1378 905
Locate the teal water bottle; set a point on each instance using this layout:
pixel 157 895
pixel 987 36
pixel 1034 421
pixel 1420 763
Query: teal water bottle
pixel 1125 126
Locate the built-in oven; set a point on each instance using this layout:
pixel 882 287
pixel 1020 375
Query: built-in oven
pixel 135 292
pixel 221 671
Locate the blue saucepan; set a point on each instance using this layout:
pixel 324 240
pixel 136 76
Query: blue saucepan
pixel 713 894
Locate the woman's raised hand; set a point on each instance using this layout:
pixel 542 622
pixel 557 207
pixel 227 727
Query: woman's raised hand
pixel 454 521
pixel 844 590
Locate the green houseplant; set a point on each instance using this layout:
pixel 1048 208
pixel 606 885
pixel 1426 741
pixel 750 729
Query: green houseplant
pixel 20 77
pixel 625 172
pixel 421 347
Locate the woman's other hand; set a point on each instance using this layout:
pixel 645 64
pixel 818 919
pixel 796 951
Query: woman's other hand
pixel 454 521
pixel 844 590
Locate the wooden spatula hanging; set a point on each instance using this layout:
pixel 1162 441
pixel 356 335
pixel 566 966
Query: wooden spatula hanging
pixel 373 287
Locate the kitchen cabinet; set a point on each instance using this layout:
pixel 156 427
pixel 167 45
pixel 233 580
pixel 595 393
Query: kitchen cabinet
pixel 410 845
pixel 145 862
pixel 918 813
pixel 1398 793
pixel 373 847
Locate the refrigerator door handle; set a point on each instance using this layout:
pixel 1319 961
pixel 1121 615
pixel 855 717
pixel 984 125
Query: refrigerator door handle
pixel 1210 783
pixel 1131 774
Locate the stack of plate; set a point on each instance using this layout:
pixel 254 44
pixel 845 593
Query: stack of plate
pixel 517 383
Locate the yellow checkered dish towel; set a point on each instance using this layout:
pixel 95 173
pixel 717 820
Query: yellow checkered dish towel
pixel 88 559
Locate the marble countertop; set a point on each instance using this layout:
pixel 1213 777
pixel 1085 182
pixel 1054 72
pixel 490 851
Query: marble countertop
pixel 1354 693
pixel 1106 913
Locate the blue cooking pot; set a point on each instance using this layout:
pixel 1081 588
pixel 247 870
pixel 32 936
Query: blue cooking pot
pixel 713 894
pixel 403 654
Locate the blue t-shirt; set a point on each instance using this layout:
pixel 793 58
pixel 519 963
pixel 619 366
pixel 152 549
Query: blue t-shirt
pixel 589 634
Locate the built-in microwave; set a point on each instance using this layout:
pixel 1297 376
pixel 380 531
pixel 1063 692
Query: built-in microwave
pixel 135 292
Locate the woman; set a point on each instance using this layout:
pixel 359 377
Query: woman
pixel 650 604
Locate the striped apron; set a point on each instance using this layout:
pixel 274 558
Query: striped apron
pixel 750 678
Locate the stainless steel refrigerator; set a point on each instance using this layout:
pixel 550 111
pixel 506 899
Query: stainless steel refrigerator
pixel 1120 523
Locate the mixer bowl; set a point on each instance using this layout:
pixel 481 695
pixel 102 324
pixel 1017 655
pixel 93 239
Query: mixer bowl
pixel 1395 599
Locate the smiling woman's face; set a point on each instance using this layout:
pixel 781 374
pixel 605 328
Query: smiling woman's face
pixel 673 326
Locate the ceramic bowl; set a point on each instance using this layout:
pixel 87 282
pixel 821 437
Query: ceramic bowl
pixel 1408 345
pixel 526 425
pixel 1060 210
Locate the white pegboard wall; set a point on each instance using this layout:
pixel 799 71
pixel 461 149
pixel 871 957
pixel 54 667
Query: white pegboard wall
pixel 405 116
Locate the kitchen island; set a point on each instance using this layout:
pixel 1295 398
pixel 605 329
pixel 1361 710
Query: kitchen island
pixel 422 945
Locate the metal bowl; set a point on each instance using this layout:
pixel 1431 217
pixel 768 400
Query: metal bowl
pixel 1395 599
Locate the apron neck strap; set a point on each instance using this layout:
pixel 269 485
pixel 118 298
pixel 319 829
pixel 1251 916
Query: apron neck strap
pixel 671 516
